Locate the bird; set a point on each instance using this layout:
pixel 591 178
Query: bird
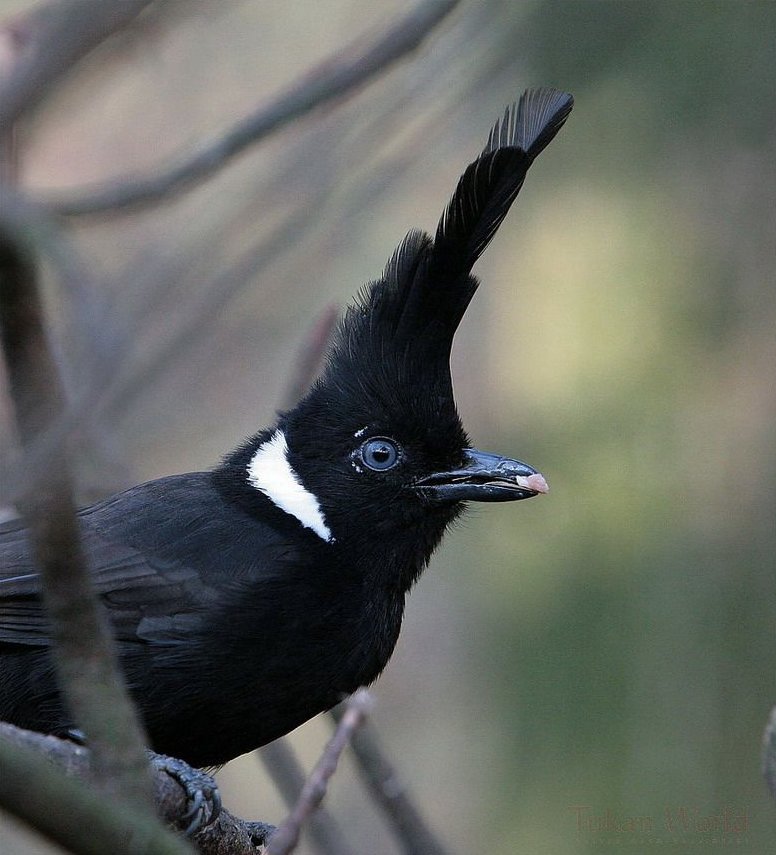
pixel 246 599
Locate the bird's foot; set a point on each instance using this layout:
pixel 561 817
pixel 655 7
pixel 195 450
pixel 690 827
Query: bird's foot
pixel 203 798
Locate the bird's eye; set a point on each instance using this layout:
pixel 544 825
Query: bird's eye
pixel 380 453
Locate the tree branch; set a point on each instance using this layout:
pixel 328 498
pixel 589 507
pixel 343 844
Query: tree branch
pixel 82 647
pixel 50 40
pixel 74 816
pixel 338 76
pixel 286 838
pixel 287 774
pixel 389 791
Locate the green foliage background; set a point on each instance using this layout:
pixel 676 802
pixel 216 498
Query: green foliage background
pixel 641 663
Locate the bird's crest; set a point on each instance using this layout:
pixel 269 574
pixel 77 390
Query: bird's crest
pixel 412 312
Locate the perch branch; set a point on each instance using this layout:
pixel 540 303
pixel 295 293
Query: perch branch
pixel 36 790
pixel 67 811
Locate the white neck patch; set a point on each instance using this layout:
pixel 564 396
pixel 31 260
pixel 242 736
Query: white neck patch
pixel 270 472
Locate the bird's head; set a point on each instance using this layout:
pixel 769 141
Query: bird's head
pixel 376 448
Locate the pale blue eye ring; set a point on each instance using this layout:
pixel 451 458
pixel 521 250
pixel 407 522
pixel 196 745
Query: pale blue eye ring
pixel 380 453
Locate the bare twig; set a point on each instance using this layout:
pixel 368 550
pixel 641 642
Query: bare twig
pixel 389 791
pixel 287 773
pixel 338 76
pixel 286 838
pixel 82 645
pixel 50 40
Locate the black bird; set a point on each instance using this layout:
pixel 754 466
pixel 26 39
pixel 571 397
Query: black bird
pixel 248 599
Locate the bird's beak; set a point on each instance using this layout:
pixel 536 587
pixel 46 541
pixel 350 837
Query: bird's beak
pixel 483 477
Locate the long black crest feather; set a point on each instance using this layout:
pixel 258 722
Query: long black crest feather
pixel 427 284
pixel 491 183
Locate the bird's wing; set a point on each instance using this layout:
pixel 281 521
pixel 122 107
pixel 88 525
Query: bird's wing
pixel 21 618
pixel 145 595
pixel 150 553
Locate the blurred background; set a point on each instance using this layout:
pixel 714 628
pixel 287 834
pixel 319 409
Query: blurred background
pixel 601 654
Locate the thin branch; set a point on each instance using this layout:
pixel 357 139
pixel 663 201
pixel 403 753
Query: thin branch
pixel 390 792
pixel 338 76
pixel 286 838
pixel 287 774
pixel 82 647
pixel 50 40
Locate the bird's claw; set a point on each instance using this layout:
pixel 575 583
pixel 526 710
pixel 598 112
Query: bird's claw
pixel 203 797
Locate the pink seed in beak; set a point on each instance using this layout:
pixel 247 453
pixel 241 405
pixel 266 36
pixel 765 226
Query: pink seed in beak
pixel 536 483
